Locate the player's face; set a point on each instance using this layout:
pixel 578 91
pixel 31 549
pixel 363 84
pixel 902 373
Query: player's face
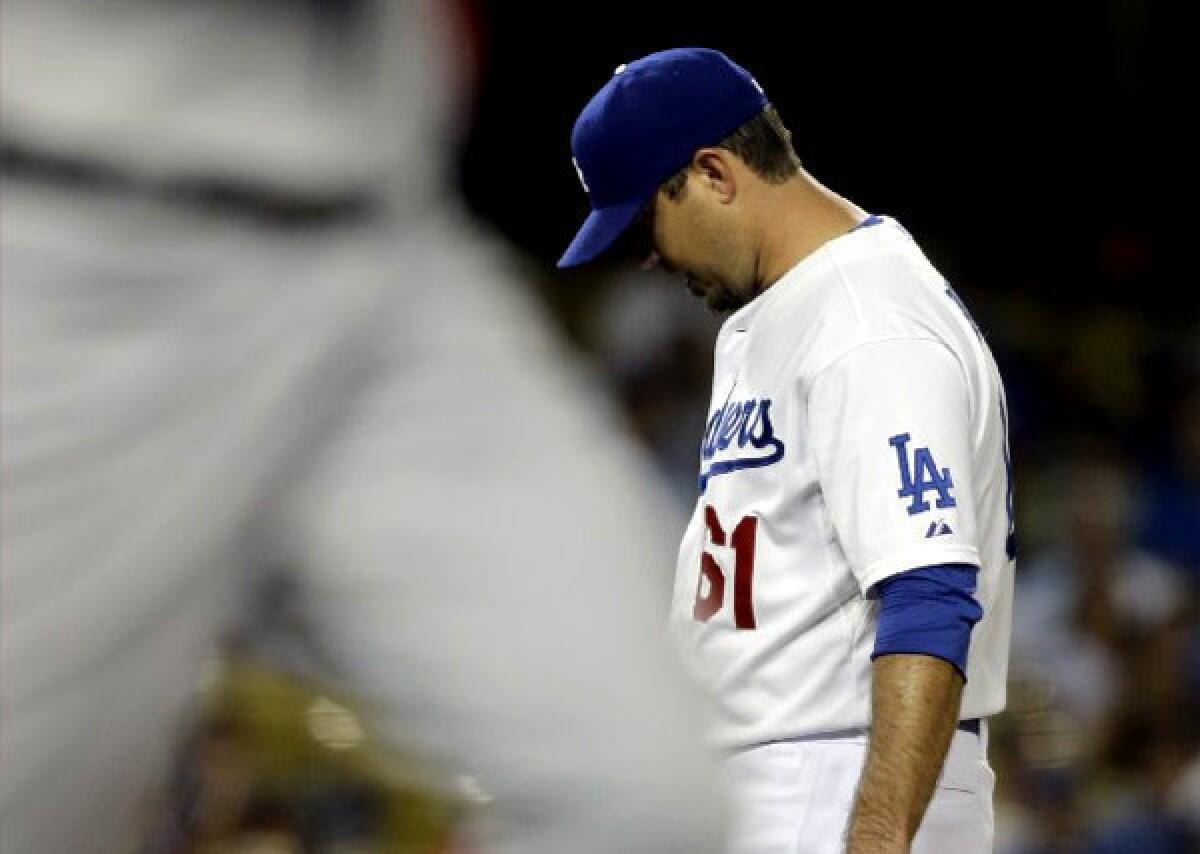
pixel 697 238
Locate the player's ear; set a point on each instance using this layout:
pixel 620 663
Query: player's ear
pixel 715 170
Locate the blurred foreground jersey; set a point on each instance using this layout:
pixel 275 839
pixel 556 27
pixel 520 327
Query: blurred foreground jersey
pixel 282 95
pixel 192 391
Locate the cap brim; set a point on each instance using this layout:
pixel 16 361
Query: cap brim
pixel 599 231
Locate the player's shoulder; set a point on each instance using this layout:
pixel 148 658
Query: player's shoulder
pixel 873 284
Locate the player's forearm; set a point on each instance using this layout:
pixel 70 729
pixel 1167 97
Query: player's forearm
pixel 914 709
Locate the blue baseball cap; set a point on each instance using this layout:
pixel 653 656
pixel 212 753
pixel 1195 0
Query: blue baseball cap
pixel 644 125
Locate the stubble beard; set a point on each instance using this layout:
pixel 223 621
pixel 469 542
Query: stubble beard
pixel 718 297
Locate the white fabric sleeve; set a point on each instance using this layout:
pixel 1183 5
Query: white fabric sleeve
pixel 890 422
pixel 486 565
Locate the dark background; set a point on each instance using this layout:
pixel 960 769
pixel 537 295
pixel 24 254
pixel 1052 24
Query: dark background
pixel 1019 138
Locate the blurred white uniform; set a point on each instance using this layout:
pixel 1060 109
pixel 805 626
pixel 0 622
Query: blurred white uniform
pixel 368 402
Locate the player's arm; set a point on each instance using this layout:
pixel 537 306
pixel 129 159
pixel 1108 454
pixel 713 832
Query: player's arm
pixel 891 435
pixel 916 688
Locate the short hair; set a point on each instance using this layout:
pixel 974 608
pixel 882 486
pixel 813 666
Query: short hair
pixel 764 144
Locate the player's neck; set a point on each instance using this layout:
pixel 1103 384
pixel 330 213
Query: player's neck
pixel 799 217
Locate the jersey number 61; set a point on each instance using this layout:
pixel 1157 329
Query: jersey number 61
pixel 710 601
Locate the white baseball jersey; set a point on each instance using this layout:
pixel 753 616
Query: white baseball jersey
pixel 856 430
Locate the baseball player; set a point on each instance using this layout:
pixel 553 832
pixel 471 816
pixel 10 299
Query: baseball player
pixel 844 586
pixel 245 327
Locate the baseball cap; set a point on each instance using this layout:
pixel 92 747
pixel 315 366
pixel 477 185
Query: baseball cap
pixel 643 126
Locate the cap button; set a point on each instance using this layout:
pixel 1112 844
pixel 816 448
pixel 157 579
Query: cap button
pixel 619 69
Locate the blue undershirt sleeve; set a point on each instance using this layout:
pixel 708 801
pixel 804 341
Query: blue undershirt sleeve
pixel 928 611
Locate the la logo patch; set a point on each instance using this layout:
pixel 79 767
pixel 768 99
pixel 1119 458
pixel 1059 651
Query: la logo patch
pixel 921 475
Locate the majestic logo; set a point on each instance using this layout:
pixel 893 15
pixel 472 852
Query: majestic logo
pixel 746 424
pixel 938 529
pixel 920 477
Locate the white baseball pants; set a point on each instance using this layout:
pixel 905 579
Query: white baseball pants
pixel 795 797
